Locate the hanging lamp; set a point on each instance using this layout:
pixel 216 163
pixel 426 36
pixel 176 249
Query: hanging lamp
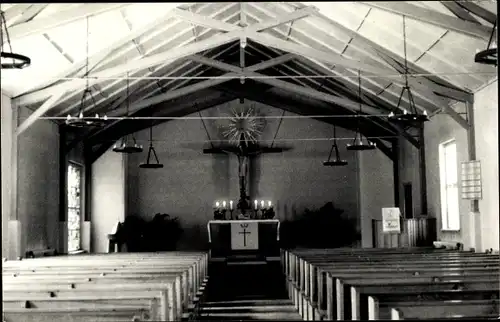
pixel 489 56
pixel 80 120
pixel 127 144
pixel 9 59
pixel 411 117
pixel 357 142
pixel 152 150
pixel 337 162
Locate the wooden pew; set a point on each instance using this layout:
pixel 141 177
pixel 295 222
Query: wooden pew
pixel 135 268
pixel 75 315
pixel 433 309
pixel 443 262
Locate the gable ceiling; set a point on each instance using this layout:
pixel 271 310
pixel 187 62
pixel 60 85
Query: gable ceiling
pixel 304 57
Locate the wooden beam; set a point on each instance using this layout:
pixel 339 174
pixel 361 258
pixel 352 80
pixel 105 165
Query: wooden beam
pixel 203 21
pixel 422 171
pixel 186 73
pixel 14 11
pixel 328 57
pixel 114 50
pixel 478 11
pixel 367 44
pixel 275 22
pixel 459 11
pixel 41 25
pixel 287 86
pixel 396 171
pixel 471 145
pixel 383 148
pixel 176 93
pixel 39 112
pixel 144 63
pixel 271 62
pixel 174 38
pixel 29 14
pixel 434 18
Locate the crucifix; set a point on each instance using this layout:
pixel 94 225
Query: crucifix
pixel 245 233
pixel 245 126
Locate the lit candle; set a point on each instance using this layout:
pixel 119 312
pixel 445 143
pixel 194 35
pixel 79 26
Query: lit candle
pixel 217 204
pixel 269 203
pixel 256 203
pixel 224 204
pixel 262 203
pixel 231 204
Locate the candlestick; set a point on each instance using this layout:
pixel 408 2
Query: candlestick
pixel 217 204
pixel 269 204
pixel 231 204
pixel 262 203
pixel 224 204
pixel 256 204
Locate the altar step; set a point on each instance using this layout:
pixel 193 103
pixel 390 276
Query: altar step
pixel 249 310
pixel 246 292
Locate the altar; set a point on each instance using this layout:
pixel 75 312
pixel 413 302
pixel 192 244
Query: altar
pixel 257 237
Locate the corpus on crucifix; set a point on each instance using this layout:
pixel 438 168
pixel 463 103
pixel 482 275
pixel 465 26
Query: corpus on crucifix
pixel 242 132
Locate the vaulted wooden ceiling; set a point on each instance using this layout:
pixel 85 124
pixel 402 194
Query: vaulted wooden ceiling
pixel 181 58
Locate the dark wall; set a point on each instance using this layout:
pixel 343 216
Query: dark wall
pixel 191 181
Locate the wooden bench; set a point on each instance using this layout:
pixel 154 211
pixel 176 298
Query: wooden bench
pixel 411 267
pixel 156 285
pixel 306 285
pixel 433 309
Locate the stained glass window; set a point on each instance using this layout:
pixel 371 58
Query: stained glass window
pixel 74 206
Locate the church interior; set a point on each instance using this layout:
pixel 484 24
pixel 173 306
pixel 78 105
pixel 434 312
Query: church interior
pixel 249 161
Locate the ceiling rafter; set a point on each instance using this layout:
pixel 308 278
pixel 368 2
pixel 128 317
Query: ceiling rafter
pixel 433 17
pixel 150 94
pixel 164 86
pixel 437 83
pixel 153 60
pixel 478 11
pixel 459 11
pixel 41 25
pixel 164 42
pixel 28 14
pixel 114 50
pixel 318 84
pixel 285 85
pixel 430 106
pixel 236 71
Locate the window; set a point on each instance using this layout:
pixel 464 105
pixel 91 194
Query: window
pixel 74 206
pixel 450 213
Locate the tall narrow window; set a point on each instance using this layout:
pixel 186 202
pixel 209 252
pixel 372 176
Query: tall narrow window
pixel 450 212
pixel 74 206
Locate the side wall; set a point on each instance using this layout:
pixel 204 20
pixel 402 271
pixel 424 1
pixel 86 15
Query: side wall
pixel 376 191
pixel 191 181
pixel 108 198
pixel 7 134
pixel 479 231
pixel 38 184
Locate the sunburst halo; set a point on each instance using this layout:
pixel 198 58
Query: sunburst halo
pixel 246 122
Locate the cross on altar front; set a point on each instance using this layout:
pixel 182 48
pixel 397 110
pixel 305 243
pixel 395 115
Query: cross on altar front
pixel 244 232
pixel 244 235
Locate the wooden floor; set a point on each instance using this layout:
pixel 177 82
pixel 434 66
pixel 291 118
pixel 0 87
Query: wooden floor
pixel 247 292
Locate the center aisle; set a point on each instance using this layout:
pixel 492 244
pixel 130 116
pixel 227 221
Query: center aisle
pixel 247 291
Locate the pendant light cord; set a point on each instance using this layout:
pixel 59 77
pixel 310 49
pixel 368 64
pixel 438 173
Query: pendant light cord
pixel 4 29
pixel 404 48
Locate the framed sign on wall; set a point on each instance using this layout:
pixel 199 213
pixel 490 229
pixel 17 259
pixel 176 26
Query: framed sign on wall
pixel 391 222
pixel 471 180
